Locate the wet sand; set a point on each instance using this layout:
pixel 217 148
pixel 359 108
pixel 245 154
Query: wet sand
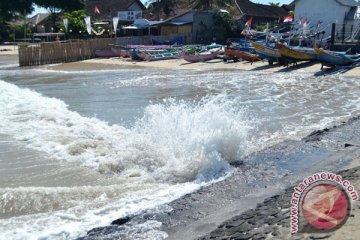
pixel 221 211
pixel 213 65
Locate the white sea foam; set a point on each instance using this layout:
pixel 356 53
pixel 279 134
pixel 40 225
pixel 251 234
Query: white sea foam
pixel 74 221
pixel 174 142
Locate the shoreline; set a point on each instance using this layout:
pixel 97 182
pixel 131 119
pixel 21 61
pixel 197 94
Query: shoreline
pixel 223 210
pixel 213 65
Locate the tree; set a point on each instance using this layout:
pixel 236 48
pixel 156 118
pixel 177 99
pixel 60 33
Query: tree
pixel 56 7
pixel 76 22
pixel 166 6
pixel 10 10
pixel 208 4
pixel 277 4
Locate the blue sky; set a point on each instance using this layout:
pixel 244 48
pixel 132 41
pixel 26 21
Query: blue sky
pixel 42 10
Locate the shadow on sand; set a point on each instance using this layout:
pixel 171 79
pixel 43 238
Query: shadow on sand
pixel 297 66
pixel 336 70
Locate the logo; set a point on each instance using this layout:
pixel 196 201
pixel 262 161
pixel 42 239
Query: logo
pixel 325 207
pixel 321 203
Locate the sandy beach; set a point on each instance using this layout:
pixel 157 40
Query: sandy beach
pixel 213 65
pixel 9 50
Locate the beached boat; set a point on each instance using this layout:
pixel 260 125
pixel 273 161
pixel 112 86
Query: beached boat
pixel 199 57
pixel 235 54
pixel 162 56
pixel 296 53
pixel 105 53
pixel 335 58
pixel 121 52
pixel 269 53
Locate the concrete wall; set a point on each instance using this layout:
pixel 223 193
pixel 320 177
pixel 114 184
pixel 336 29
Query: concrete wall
pixel 327 11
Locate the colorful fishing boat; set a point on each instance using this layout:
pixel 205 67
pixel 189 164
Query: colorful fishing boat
pixel 331 58
pixel 269 53
pixel 162 56
pixel 236 55
pixel 296 53
pixel 199 57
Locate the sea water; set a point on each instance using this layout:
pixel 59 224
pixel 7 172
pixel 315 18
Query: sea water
pixel 79 149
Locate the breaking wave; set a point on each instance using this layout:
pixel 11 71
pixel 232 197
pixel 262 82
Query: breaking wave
pixel 175 141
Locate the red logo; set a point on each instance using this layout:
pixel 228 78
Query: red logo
pixel 326 207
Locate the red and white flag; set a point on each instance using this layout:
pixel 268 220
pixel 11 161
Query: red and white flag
pixel 248 23
pixel 96 9
pixel 288 19
pixel 300 20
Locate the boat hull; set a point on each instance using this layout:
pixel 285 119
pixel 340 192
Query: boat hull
pixel 335 58
pixel 200 57
pixel 238 54
pixel 295 54
pixel 162 56
pixel 105 53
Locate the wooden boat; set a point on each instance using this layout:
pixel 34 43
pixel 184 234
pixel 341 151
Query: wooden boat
pixel 105 53
pixel 336 58
pixel 199 57
pixel 269 53
pixel 162 56
pixel 296 54
pixel 121 52
pixel 235 54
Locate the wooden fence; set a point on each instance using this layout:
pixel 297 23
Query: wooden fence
pixel 72 51
pixel 59 52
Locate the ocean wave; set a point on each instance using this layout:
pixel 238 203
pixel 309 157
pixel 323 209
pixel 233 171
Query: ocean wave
pixel 175 141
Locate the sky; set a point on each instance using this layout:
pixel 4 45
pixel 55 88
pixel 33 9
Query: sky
pixel 42 10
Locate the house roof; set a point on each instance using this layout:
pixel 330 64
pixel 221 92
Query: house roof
pixel 350 3
pixel 39 18
pixel 260 10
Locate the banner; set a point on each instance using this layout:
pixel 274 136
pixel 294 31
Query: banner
pixel 88 24
pixel 115 23
pixel 66 23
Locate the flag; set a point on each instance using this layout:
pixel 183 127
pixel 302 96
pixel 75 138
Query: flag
pixel 248 23
pixel 96 9
pixel 288 19
pixel 318 24
pixel 300 20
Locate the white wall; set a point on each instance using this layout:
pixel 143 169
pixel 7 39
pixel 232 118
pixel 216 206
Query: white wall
pixel 327 11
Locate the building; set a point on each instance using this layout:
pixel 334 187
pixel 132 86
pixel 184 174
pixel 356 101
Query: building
pixel 41 23
pixel 262 14
pixel 327 11
pixel 126 10
pixel 199 25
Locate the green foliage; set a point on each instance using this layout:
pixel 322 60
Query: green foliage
pixel 208 4
pixel 166 6
pixel 17 30
pixel 9 10
pixel 227 22
pixel 76 21
pixel 261 27
pixel 57 6
pixel 274 4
